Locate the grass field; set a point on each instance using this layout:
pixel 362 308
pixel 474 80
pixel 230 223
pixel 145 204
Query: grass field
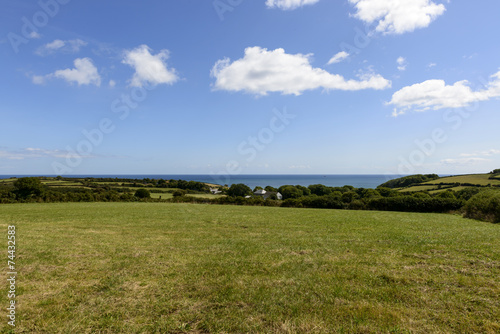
pixel 479 179
pixel 418 188
pixel 180 268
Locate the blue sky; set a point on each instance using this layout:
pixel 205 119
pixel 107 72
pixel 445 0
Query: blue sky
pixel 249 87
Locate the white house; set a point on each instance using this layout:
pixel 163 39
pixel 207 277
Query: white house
pixel 215 191
pixel 266 194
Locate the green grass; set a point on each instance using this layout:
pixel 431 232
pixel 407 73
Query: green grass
pixel 162 195
pixel 206 195
pixel 418 188
pixel 479 179
pixel 180 268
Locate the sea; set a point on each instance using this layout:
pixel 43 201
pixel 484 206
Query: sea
pixel 273 180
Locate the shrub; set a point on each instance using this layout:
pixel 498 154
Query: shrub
pixel 142 193
pixel 290 192
pixel 239 190
pixel 467 193
pixel 179 193
pixel 319 189
pixel 28 186
pixel 484 206
pixel 413 204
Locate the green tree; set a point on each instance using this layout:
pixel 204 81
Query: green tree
pixel 446 194
pixel 257 188
pixel 239 189
pixel 290 192
pixel 142 193
pixel 28 186
pixel 484 206
pixel 305 191
pixel 319 189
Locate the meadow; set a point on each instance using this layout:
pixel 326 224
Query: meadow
pixel 182 268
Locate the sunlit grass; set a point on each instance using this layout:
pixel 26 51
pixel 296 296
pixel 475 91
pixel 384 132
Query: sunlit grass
pixel 180 268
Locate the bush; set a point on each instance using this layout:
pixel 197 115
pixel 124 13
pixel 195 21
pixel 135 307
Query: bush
pixel 28 186
pixel 413 204
pixel 484 206
pixel 239 190
pixel 179 193
pixel 142 193
pixel 290 192
pixel 319 189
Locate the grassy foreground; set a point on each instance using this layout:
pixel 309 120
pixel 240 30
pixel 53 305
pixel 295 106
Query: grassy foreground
pixel 180 268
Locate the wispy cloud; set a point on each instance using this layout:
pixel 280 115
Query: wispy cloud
pixel 486 153
pixel 289 4
pixel 34 35
pixel 35 153
pixel 463 161
pixel 337 58
pixel 70 46
pixel 261 72
pixel 397 16
pixel 473 158
pixel 402 63
pixel 299 167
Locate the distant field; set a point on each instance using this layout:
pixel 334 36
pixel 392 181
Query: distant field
pixel 479 179
pixel 446 189
pixel 206 195
pixel 180 268
pixel 418 188
pixel 157 195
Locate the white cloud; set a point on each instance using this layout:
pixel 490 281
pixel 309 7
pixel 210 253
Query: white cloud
pixel 34 153
pixel 299 167
pixel 34 35
pixel 487 153
pixel 397 16
pixel 401 64
pixel 71 46
pixel 435 94
pixel 112 83
pixel 289 4
pixel 431 65
pixel 463 161
pixel 38 79
pixel 471 159
pixel 56 44
pixel 149 68
pixel 261 71
pixel 84 73
pixel 341 56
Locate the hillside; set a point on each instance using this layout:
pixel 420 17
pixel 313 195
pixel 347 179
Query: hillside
pixel 455 183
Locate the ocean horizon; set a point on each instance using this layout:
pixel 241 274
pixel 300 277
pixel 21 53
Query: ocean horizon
pixel 254 180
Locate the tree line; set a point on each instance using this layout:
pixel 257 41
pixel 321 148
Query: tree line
pixel 473 202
